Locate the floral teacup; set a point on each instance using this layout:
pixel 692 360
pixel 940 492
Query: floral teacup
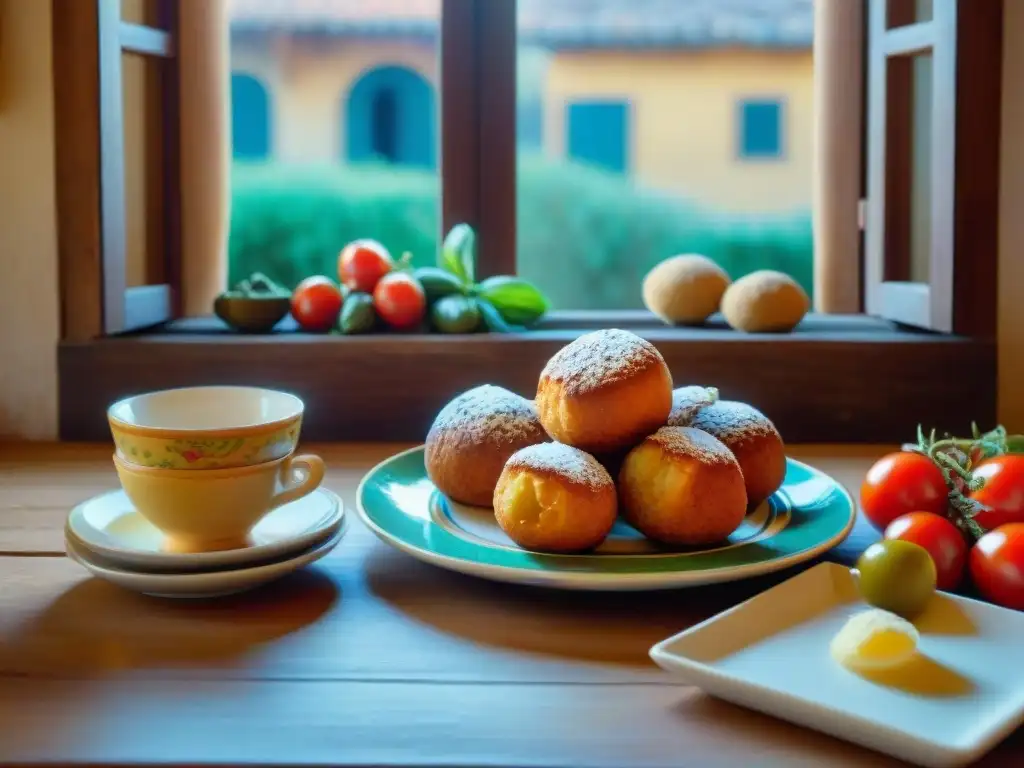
pixel 206 427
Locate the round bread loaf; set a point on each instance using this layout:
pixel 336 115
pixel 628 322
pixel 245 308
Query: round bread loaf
pixel 473 436
pixel 555 498
pixel 681 486
pixel 686 401
pixel 753 440
pixel 765 301
pixel 604 391
pixel 684 289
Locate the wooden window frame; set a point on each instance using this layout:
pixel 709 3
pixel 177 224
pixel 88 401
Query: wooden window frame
pixel 966 68
pixel 838 378
pixel 90 39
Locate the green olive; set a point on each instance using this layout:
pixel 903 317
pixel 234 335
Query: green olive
pixel 455 314
pixel 896 576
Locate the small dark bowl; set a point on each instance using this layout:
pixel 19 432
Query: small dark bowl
pixel 252 314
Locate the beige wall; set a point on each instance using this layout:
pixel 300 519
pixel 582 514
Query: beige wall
pixel 29 310
pixel 308 85
pixel 684 132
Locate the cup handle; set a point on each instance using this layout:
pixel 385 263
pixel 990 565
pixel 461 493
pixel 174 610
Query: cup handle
pixel 312 474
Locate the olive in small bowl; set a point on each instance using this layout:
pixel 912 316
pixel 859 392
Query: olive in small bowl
pixel 251 314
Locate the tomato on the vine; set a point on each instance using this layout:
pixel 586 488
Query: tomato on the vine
pixel 940 538
pixel 362 264
pixel 400 300
pixel 1002 495
pixel 316 303
pixel 899 483
pixel 997 565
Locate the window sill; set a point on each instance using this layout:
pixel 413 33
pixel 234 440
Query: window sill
pixel 834 379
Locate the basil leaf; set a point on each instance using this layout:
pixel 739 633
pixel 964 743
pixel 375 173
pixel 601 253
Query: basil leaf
pixel 518 300
pixel 493 318
pixel 458 252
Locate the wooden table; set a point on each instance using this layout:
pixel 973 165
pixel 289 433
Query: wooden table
pixel 367 658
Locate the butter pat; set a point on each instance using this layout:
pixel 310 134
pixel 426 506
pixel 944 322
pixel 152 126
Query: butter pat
pixel 874 639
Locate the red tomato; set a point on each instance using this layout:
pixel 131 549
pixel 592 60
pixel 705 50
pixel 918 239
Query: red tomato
pixel 900 483
pixel 400 301
pixel 1003 492
pixel 940 538
pixel 316 303
pixel 362 263
pixel 997 565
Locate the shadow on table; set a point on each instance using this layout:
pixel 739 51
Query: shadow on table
pixel 606 627
pixel 96 629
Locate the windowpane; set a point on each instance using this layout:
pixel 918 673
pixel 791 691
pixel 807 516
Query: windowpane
pixel 145 12
pixel 908 168
pixel 145 262
pixel 649 129
pixel 335 132
pixel 900 13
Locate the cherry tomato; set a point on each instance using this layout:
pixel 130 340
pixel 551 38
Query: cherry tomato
pixel 997 565
pixel 362 263
pixel 400 300
pixel 940 538
pixel 1003 492
pixel 899 483
pixel 316 303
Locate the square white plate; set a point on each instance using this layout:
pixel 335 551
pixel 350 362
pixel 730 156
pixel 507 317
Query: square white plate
pixel 960 697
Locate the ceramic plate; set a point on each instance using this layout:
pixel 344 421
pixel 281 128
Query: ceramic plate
pixel 810 514
pixel 960 696
pixel 199 585
pixel 109 526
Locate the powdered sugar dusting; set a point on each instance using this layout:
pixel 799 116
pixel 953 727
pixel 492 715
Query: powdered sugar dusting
pixel 491 413
pixel 574 465
pixel 687 401
pixel 733 422
pixel 693 444
pixel 600 358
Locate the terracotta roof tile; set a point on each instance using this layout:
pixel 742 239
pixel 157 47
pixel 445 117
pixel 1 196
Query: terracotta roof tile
pixel 556 23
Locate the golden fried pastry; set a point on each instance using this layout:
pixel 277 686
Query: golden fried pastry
pixel 604 392
pixel 753 440
pixel 686 401
pixel 555 498
pixel 473 436
pixel 684 289
pixel 682 486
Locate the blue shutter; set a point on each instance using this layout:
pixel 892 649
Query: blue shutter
pixel 760 128
pixel 598 133
pixel 250 118
pixel 409 99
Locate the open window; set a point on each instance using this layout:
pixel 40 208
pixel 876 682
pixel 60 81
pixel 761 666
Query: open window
pixel 118 184
pixel 904 130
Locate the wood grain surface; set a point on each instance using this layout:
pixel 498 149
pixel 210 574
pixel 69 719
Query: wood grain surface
pixel 368 658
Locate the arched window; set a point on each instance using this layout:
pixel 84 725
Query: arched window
pixel 390 117
pixel 250 118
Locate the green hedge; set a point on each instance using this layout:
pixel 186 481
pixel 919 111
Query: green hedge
pixel 586 237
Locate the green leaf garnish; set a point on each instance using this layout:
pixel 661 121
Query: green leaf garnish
pixel 518 301
pixel 458 252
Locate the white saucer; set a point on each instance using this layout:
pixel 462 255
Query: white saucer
pixel 199 585
pixel 108 526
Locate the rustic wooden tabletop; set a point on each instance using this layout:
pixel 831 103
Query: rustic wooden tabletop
pixel 367 658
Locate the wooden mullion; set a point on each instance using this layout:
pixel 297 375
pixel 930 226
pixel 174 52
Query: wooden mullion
pixel 478 127
pixel 168 18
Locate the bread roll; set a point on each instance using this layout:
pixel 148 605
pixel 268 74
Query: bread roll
pixel 765 301
pixel 682 486
pixel 686 401
pixel 684 289
pixel 473 436
pixel 753 440
pixel 555 498
pixel 604 392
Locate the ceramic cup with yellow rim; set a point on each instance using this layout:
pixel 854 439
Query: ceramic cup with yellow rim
pixel 216 427
pixel 216 509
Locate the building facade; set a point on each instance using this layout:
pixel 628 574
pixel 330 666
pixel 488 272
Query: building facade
pixel 710 100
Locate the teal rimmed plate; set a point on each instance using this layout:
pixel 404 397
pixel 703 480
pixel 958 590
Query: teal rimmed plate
pixel 809 515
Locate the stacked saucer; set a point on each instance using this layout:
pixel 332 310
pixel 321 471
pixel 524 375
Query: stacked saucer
pixel 112 540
